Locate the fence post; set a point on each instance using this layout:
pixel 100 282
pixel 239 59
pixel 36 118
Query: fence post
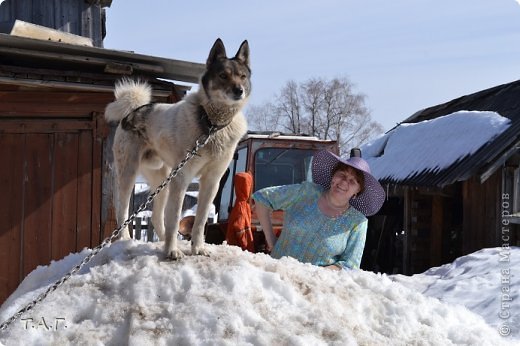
pixel 138 228
pixel 149 229
pixel 131 229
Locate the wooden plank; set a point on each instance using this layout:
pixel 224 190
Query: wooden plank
pixel 84 208
pixel 491 233
pixel 106 183
pixel 30 30
pixel 44 126
pixel 407 225
pixel 11 208
pixel 152 66
pixel 91 23
pixel 149 230
pixel 95 87
pixel 65 197
pixel 91 60
pixel 100 165
pixel 37 201
pixel 57 16
pixel 55 97
pixel 467 218
pixel 52 103
pixel 138 227
pixel 437 225
pixel 474 215
pixel 61 85
pixel 499 161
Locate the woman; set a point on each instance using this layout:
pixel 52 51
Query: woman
pixel 324 221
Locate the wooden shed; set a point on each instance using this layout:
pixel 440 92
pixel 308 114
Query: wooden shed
pixel 56 182
pixel 432 217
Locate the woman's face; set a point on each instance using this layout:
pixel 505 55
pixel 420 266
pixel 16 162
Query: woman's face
pixel 344 184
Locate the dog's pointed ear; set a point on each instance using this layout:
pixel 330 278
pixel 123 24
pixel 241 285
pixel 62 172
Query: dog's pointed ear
pixel 217 51
pixel 243 53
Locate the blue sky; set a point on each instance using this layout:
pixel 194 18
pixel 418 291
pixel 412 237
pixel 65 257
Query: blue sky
pixel 404 55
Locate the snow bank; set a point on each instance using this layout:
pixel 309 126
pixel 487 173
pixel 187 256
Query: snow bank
pixel 486 282
pixel 130 295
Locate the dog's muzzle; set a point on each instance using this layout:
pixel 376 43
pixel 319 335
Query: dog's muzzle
pixel 238 92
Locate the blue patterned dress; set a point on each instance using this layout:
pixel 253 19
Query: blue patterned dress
pixel 310 236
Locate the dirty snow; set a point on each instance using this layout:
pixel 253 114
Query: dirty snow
pixel 130 295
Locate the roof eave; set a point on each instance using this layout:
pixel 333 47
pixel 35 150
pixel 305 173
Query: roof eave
pixel 177 70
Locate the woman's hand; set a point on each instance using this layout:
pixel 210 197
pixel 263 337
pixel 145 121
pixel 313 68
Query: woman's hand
pixel 332 267
pixel 270 240
pixel 264 216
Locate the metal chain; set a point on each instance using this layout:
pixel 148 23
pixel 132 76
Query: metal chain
pixel 199 143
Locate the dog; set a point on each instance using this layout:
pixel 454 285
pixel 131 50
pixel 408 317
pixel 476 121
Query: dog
pixel 151 138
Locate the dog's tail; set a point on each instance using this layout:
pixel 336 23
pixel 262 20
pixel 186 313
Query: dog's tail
pixel 129 95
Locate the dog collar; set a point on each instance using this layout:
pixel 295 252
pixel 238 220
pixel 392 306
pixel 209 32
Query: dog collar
pixel 206 124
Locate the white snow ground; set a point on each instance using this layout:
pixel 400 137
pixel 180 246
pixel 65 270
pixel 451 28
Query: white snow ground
pixel 129 295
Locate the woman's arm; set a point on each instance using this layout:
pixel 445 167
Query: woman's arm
pixel 351 257
pixel 264 216
pixel 276 198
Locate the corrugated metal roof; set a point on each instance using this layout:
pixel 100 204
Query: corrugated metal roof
pixel 503 99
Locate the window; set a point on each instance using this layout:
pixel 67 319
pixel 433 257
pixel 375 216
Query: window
pixel 281 166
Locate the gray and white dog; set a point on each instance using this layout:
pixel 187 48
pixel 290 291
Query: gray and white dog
pixel 153 137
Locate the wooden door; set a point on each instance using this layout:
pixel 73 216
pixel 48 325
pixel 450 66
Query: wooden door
pixel 49 190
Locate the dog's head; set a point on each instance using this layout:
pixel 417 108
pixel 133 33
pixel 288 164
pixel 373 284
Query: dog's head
pixel 227 80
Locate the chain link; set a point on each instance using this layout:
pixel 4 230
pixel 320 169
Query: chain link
pixel 199 143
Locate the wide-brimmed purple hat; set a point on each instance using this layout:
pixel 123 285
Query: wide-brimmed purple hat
pixel 373 196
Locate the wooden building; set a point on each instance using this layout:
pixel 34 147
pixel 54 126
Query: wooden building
pixel 56 181
pixel 433 217
pixel 85 18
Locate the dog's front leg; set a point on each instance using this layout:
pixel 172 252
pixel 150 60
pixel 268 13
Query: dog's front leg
pixel 207 192
pixel 172 217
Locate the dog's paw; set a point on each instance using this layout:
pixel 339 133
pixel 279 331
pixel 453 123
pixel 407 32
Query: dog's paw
pixel 174 255
pixel 199 250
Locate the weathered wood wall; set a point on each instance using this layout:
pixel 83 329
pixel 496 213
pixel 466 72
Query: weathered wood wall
pixel 481 213
pixel 77 17
pixel 49 210
pixel 57 182
pixel 433 223
pixel 51 143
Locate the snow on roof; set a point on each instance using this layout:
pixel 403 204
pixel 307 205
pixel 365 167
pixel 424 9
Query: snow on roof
pixel 431 145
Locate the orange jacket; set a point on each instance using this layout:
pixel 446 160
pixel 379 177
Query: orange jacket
pixel 239 224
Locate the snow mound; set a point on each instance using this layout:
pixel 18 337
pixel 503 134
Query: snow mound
pixel 484 281
pixel 130 295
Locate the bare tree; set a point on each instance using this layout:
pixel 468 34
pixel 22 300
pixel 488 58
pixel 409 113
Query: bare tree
pixel 327 109
pixel 288 107
pixel 312 100
pixel 264 117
